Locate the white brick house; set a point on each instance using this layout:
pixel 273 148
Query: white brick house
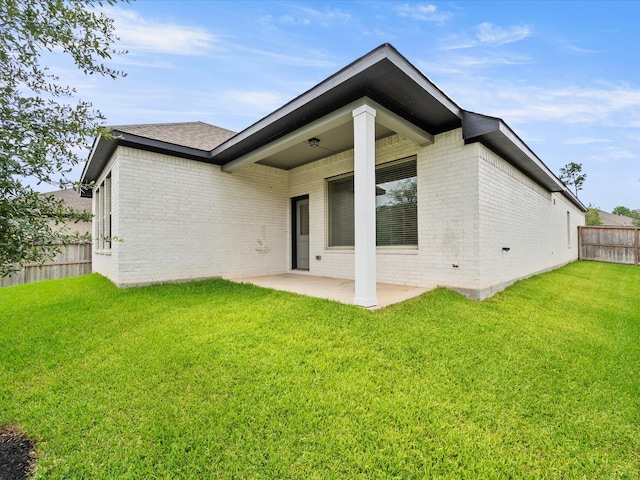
pixel 372 175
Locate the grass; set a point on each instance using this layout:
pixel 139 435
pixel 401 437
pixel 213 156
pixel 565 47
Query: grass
pixel 220 380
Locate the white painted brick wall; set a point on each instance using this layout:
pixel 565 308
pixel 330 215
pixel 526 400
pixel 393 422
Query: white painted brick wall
pixel 182 219
pixel 518 214
pixel 471 204
pixel 447 189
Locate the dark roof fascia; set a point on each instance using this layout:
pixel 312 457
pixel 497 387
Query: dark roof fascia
pixel 159 146
pixel 101 152
pixel 343 87
pixel 496 135
pixel 385 58
pixel 320 100
pixel 421 79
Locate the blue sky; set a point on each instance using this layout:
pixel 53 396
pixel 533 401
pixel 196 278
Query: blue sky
pixel 564 75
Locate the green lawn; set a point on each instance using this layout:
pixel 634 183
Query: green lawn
pixel 220 380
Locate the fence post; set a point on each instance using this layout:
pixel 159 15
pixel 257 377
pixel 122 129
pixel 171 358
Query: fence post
pixel 638 246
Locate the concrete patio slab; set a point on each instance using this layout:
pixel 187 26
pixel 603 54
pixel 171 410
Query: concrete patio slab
pixel 338 289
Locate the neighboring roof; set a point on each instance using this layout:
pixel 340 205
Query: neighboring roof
pixel 609 219
pixel 72 199
pixel 383 75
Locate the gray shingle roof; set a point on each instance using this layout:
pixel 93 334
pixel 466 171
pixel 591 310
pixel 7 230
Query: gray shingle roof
pixel 72 199
pixel 615 220
pixel 198 135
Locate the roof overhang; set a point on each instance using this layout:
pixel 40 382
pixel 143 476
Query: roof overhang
pixel 405 100
pixel 382 76
pixel 496 135
pixel 408 100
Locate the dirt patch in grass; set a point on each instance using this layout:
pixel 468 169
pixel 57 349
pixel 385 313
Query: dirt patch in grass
pixel 17 454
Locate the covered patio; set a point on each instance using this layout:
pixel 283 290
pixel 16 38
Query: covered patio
pixel 339 289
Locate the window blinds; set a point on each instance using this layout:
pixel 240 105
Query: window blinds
pixel 396 207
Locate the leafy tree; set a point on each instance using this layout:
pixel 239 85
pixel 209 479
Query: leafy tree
pixel 43 129
pixel 620 210
pixel 571 175
pixel 592 217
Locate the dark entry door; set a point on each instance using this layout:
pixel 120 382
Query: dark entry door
pixel 301 237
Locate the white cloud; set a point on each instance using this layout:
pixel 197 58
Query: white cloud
pixel 470 61
pixel 327 14
pixel 314 59
pixel 145 64
pixel 261 101
pixel 611 105
pixel 583 50
pixel 423 13
pixel 304 15
pixel 138 33
pixel 617 153
pixel 458 46
pixel 456 63
pixel 586 141
pixel 487 34
pixel 491 34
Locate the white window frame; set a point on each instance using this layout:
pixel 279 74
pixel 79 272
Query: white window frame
pixel 103 215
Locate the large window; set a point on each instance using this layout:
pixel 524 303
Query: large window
pixel 396 207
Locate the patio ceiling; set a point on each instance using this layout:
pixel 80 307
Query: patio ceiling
pixel 335 134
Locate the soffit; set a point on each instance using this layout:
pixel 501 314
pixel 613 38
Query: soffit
pixel 333 141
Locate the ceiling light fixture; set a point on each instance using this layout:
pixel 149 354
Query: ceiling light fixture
pixel 314 142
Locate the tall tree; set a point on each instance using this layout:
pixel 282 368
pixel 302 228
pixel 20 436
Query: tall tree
pixel 43 128
pixel 571 175
pixel 592 217
pixel 634 214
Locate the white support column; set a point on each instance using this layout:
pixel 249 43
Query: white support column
pixel 364 184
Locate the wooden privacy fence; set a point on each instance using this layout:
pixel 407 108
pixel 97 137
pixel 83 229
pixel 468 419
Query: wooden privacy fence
pixel 610 244
pixel 72 261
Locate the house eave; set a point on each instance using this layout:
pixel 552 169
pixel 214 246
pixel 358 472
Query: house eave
pixel 104 147
pixel 411 102
pixel 101 151
pixel 383 75
pixel 497 136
